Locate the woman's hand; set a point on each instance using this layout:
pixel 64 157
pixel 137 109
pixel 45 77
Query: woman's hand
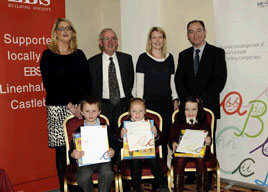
pixel 154 130
pixel 77 154
pixel 75 110
pixel 110 152
pixel 208 140
pixel 123 132
pixel 174 147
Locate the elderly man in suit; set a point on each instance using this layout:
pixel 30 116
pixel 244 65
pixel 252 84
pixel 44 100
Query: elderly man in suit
pixel 112 74
pixel 201 69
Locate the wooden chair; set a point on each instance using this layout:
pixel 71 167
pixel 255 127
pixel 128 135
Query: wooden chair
pixel 124 170
pixel 212 162
pixel 70 124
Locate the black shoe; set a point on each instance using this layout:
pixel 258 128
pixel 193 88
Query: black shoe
pixel 138 190
pixel 163 188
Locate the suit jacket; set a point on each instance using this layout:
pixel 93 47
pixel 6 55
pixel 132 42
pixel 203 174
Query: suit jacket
pixel 126 71
pixel 209 80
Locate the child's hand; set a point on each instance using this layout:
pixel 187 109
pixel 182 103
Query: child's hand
pixel 153 129
pixel 77 154
pixel 208 140
pixel 123 132
pixel 174 147
pixel 110 152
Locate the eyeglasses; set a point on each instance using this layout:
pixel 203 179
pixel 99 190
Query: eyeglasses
pixel 67 28
pixel 108 38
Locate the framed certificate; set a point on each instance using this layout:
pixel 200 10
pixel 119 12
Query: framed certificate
pixel 192 144
pixel 94 142
pixel 139 140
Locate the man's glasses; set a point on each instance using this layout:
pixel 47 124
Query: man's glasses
pixel 108 38
pixel 67 28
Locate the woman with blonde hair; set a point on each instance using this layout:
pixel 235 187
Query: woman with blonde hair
pixel 155 80
pixel 66 78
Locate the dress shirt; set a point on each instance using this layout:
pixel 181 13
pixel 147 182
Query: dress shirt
pixel 201 51
pixel 105 69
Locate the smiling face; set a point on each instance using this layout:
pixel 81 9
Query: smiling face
pixel 191 109
pixel 64 32
pixel 196 34
pixel 137 111
pixel 90 113
pixel 157 40
pixel 108 42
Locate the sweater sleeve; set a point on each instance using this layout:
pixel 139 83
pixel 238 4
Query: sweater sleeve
pixel 140 84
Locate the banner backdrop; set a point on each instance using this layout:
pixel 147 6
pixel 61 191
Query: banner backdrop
pixel 25 31
pixel 241 28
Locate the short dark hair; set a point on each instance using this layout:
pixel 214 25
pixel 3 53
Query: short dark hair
pixel 201 113
pixel 90 101
pixel 196 21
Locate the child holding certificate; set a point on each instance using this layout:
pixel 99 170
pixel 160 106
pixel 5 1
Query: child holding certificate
pixel 137 110
pixel 90 110
pixel 191 116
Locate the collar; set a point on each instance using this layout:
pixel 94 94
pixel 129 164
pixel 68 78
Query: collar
pixel 191 121
pixel 201 48
pixel 159 60
pixel 106 56
pixel 97 122
pixel 143 120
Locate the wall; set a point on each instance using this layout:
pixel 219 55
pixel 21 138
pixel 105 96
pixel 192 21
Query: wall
pixel 132 20
pixel 89 17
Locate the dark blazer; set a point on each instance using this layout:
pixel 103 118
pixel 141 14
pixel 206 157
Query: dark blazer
pixel 126 71
pixel 209 80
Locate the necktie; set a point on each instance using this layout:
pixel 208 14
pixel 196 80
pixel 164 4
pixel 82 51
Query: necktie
pixel 196 61
pixel 113 83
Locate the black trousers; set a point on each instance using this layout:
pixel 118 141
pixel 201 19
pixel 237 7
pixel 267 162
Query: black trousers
pixel 112 112
pixel 165 108
pixel 136 171
pixel 61 165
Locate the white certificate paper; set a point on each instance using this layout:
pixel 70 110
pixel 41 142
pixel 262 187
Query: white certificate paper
pixel 139 135
pixel 95 144
pixel 192 141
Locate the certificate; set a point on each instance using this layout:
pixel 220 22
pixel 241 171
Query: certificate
pixel 94 142
pixel 138 154
pixel 139 135
pixel 192 143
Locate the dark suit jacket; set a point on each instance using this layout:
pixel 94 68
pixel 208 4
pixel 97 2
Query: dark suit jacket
pixel 126 71
pixel 209 80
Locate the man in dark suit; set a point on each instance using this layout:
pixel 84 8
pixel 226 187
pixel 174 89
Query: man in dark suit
pixel 201 72
pixel 208 78
pixel 112 74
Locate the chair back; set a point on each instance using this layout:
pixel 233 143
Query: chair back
pixel 70 124
pixel 210 119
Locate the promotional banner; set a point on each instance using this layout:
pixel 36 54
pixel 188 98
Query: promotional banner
pixel 242 132
pixel 25 30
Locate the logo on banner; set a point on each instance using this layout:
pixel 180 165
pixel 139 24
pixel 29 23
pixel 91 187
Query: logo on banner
pixel 262 3
pixel 32 2
pixel 36 5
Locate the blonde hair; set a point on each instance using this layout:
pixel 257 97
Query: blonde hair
pixel 148 44
pixel 53 46
pixel 136 100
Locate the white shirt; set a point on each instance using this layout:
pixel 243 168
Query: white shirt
pixel 201 51
pixel 105 80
